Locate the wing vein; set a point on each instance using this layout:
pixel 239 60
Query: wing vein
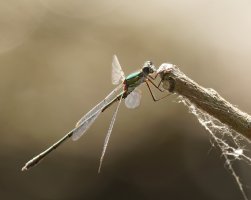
pixel 87 120
pixel 108 135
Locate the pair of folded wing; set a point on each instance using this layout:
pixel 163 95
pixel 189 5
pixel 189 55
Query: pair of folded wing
pixel 131 101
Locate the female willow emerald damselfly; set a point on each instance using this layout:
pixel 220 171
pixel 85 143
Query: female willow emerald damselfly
pixel 130 93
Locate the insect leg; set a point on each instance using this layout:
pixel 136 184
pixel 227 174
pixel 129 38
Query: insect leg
pixel 154 98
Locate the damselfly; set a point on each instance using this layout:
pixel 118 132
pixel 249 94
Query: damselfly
pixel 126 89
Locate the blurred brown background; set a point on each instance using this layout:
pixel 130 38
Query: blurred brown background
pixel 55 64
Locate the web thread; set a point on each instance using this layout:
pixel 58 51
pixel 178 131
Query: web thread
pixel 230 142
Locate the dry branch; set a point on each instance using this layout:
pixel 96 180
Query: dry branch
pixel 206 99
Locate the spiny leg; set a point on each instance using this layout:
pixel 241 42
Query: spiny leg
pixel 153 77
pixel 154 99
pixel 157 86
pixel 150 77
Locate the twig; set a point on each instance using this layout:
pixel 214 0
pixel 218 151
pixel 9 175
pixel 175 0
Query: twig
pixel 206 99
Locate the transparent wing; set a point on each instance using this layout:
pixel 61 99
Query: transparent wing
pixel 108 135
pixel 133 99
pixel 87 120
pixel 82 128
pixel 117 73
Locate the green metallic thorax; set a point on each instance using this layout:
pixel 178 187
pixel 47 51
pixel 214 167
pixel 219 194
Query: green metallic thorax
pixel 134 80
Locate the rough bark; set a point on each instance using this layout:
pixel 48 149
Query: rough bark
pixel 207 99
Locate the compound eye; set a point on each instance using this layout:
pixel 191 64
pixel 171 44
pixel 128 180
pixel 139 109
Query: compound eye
pixel 146 70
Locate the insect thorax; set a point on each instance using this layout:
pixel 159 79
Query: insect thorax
pixel 134 80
